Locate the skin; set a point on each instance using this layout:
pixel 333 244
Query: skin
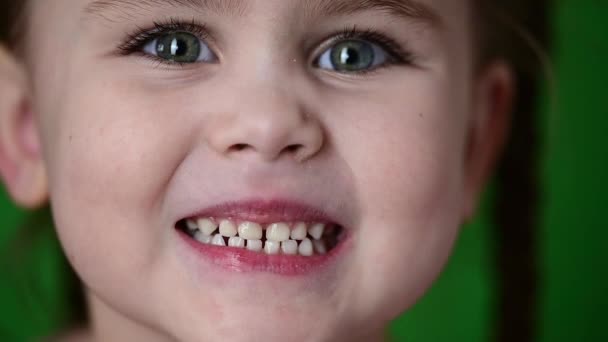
pixel 123 148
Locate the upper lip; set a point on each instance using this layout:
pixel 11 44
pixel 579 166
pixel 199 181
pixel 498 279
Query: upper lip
pixel 266 211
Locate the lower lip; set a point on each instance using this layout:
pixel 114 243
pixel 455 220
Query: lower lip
pixel 241 260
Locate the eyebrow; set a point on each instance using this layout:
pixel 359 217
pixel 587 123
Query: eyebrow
pixel 220 7
pixel 408 9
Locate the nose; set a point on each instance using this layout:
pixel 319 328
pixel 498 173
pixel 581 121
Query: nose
pixel 268 124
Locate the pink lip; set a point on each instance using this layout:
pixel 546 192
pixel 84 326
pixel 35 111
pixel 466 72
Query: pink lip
pixel 266 211
pixel 242 261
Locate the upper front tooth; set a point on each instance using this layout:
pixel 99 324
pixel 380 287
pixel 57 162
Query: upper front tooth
pixel 206 226
pixel 277 232
pixel 250 231
pixel 316 231
pixel 227 228
pixel 299 231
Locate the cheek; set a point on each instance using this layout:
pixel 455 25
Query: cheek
pixel 408 168
pixel 406 148
pixel 111 157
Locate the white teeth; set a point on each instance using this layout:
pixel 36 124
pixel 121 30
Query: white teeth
pixel 277 232
pixel 254 245
pixel 272 247
pixel 236 241
pixel 289 247
pixel 316 231
pixel 191 224
pixel 200 237
pixel 319 247
pixel 280 237
pixel 305 247
pixel 206 226
pixel 250 231
pixel 227 228
pixel 299 231
pixel 218 240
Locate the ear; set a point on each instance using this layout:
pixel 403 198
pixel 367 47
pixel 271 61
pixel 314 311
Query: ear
pixel 488 130
pixel 21 165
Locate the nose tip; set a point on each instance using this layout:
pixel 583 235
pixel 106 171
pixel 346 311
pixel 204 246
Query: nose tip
pixel 300 141
pixel 267 127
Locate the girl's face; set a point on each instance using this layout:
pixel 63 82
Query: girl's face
pixel 361 115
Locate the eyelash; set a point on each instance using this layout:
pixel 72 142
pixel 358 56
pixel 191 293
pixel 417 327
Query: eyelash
pixel 136 41
pixel 397 55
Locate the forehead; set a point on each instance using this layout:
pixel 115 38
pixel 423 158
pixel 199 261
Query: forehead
pixel 413 9
pixel 435 12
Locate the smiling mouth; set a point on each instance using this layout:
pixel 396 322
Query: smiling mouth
pixel 304 239
pixel 278 236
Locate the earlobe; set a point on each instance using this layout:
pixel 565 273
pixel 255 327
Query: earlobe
pixel 21 166
pixel 488 130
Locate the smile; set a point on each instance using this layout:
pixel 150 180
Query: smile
pixel 280 237
pixel 300 238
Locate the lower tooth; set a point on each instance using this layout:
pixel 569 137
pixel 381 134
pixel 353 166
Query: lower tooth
pixel 272 247
pixel 319 247
pixel 200 237
pixel 254 245
pixel 218 240
pixel 236 241
pixel 305 248
pixel 289 247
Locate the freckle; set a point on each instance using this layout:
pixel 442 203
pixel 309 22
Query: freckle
pixel 421 115
pixel 70 138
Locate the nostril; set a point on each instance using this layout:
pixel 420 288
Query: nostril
pixel 238 147
pixel 293 148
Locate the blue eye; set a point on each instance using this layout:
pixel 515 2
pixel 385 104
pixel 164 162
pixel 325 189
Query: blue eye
pixel 179 47
pixel 353 56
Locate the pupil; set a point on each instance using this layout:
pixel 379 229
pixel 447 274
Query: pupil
pixel 179 47
pixel 349 56
pixel 353 56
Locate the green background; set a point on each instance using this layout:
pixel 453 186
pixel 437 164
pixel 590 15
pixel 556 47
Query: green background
pixel 574 227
